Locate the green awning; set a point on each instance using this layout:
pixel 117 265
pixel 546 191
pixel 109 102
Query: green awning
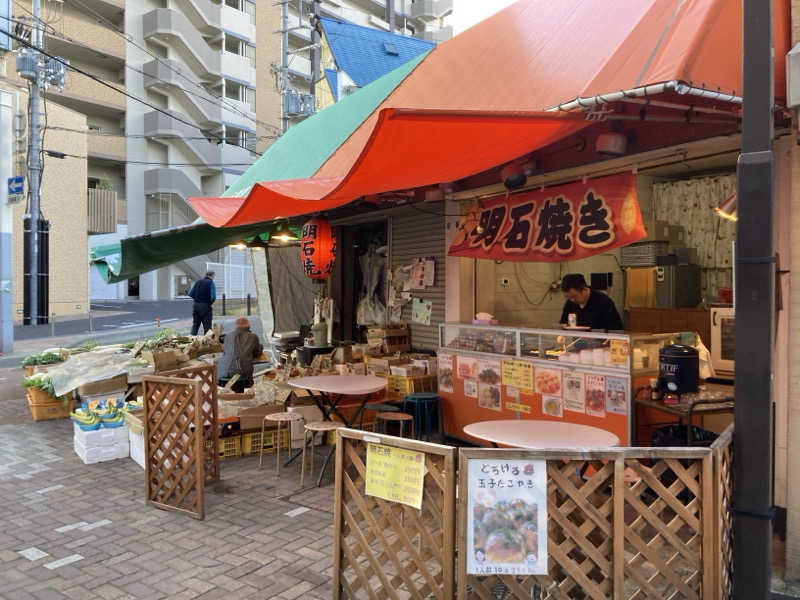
pixel 298 153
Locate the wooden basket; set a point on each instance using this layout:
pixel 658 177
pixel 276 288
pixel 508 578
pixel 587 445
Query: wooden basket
pixel 50 410
pixel 37 395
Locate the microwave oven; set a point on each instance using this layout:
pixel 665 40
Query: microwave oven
pixel 723 340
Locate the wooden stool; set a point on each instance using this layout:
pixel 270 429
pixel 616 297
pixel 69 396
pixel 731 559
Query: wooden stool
pixel 313 428
pixel 397 417
pixel 281 417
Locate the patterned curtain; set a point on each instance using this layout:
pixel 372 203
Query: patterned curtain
pixel 691 203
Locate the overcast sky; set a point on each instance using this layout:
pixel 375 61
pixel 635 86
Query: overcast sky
pixel 468 12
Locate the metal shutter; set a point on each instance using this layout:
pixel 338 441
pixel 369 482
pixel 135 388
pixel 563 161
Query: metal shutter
pixel 417 234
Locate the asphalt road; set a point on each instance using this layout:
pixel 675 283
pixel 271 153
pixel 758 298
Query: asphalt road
pixel 110 316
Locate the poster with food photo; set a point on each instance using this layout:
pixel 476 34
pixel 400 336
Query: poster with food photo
pixel 471 388
pixel 595 395
pixel 548 381
pixel 506 517
pixel 489 371
pixel 574 392
pixel 552 406
pixel 445 373
pixel 616 395
pixel 489 396
pixel 467 367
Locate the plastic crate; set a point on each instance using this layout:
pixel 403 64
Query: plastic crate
pixel 252 442
pixel 330 439
pixel 50 410
pixel 398 387
pixel 229 447
pixel 642 254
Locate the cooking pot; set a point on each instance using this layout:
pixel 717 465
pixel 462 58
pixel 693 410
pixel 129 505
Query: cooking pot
pixel 678 369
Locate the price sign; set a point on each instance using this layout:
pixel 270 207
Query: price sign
pixel 619 352
pixel 395 474
pixel 518 374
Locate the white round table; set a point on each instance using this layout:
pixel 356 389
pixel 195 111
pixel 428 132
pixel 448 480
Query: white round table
pixel 536 435
pixel 344 385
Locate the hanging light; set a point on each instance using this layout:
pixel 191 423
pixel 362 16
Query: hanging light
pixel 238 246
pixel 317 248
pixel 283 235
pixel 727 210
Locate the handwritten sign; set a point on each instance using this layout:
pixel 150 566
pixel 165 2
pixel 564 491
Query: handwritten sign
pixel 516 406
pixel 518 374
pixel 619 352
pixel 395 474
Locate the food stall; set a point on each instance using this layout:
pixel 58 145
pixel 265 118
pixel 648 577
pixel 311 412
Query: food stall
pixel 493 372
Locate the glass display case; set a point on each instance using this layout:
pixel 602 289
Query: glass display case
pixel 476 338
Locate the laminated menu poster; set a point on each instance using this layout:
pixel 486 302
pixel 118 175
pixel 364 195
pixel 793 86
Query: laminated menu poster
pixel 595 395
pixel 616 395
pixel 489 371
pixel 466 367
pixel 518 374
pixel 489 396
pixel 506 517
pixel 470 388
pixel 445 373
pixel 574 392
pixel 548 381
pixel 552 406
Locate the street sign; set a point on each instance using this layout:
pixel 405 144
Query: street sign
pixel 16 184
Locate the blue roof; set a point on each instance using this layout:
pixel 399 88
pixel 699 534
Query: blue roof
pixel 331 76
pixel 365 53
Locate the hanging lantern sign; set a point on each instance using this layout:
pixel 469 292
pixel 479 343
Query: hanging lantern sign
pixel 317 248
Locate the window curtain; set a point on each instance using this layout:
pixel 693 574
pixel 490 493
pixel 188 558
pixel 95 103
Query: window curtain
pixel 691 203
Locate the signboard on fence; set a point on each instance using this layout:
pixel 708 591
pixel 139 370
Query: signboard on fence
pixel 395 474
pixel 506 517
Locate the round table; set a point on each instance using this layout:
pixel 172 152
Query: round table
pixel 342 385
pixel 536 435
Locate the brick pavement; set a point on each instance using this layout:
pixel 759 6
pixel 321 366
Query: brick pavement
pixel 69 530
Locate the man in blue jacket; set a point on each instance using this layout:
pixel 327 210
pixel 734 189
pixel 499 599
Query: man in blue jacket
pixel 203 292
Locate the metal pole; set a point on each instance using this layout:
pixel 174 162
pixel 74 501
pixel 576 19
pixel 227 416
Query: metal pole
pixel 390 14
pixel 755 303
pixel 315 52
pixel 284 64
pixel 248 304
pixel 34 170
pixel 6 224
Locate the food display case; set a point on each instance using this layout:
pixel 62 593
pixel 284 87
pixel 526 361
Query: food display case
pixel 496 372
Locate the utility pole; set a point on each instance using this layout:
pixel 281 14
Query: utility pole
pixel 315 48
pixel 284 64
pixel 7 109
pixel 35 312
pixel 755 304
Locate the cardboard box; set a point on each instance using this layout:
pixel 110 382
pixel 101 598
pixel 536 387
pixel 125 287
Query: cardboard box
pixel 104 386
pixel 342 355
pixel 381 365
pixel 427 364
pixel 352 369
pixel 408 370
pixel 657 231
pixel 252 418
pixel 162 361
pixel 677 236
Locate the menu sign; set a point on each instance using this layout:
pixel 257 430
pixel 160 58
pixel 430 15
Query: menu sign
pixel 619 350
pixel 395 474
pixel 518 374
pixel 574 392
pixel 506 517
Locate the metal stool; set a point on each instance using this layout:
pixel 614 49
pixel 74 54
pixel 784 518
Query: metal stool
pixel 421 405
pixel 398 417
pixel 313 428
pixel 278 418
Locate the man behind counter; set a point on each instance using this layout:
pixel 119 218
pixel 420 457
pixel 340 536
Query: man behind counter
pixel 592 309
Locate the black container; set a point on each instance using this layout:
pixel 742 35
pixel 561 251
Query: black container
pixel 678 369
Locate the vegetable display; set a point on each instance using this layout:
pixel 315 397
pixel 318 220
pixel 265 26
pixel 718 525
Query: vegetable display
pixel 46 358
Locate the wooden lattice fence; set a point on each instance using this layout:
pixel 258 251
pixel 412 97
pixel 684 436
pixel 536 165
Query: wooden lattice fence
pixel 173 437
pixel 207 376
pixel 722 450
pixel 386 550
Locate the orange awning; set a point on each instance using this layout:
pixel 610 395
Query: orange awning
pixel 466 107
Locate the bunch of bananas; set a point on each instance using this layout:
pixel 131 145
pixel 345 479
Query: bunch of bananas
pixel 85 419
pixel 110 415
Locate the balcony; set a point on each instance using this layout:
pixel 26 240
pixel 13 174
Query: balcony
pixel 159 125
pixel 238 23
pixel 430 10
pixel 86 38
pixel 238 67
pixel 239 114
pixel 106 148
pixel 172 29
pixel 102 211
pixel 300 65
pixel 237 157
pixel 437 35
pixel 86 95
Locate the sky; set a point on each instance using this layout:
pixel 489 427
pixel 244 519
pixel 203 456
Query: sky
pixel 468 12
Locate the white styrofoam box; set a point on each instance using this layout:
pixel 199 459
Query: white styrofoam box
pixel 309 414
pixel 105 436
pixel 98 454
pixel 136 442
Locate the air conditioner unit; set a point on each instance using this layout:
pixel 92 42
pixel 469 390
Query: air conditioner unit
pixel 611 144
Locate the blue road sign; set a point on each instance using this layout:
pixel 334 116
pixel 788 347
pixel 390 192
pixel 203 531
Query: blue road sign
pixel 16 184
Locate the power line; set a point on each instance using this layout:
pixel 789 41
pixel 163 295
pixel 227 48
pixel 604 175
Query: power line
pixel 143 136
pixel 59 154
pixel 113 87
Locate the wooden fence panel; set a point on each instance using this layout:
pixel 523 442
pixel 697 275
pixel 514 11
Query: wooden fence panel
pixel 173 437
pixel 387 550
pixel 207 376
pixel 638 524
pixel 722 450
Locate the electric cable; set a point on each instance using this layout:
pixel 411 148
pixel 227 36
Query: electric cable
pixel 59 154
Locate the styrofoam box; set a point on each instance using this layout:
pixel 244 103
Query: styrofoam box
pixel 105 436
pixel 136 442
pixel 309 414
pixel 98 454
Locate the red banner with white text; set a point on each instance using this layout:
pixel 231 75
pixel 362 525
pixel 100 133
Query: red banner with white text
pixel 560 223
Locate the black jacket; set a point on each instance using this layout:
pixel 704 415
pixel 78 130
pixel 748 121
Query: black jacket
pixel 599 312
pixel 204 291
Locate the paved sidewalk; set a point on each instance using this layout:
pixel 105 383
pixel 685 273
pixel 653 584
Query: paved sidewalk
pixel 75 531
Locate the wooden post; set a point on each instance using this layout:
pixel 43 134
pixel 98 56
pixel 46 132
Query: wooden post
pixel 337 515
pixel 708 515
pixel 618 559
